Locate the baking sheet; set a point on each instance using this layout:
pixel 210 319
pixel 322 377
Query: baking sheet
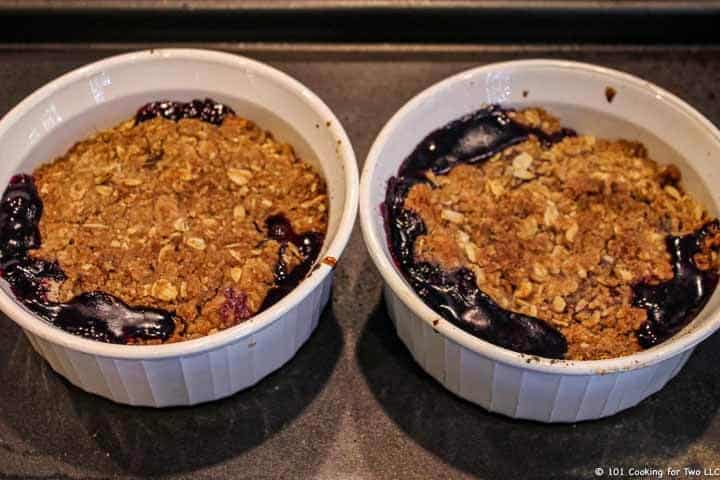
pixel 352 404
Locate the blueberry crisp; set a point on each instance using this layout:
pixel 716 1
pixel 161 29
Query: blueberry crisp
pixel 547 242
pixel 182 221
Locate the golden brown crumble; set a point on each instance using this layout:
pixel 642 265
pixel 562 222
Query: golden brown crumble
pixel 562 232
pixel 169 214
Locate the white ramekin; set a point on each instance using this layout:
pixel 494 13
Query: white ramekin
pixel 581 95
pixel 96 96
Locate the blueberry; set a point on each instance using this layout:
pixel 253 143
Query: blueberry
pixel 235 308
pixel 20 211
pixel 279 228
pixel 206 110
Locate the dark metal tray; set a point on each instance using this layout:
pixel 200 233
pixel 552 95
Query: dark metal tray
pixel 352 404
pixel 422 21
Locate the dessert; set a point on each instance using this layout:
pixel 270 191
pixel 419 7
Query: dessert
pixel 180 222
pixel 547 242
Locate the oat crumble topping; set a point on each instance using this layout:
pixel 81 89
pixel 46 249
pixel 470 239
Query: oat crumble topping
pixel 171 215
pixel 561 232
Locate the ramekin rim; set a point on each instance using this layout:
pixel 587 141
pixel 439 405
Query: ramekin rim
pixel 335 247
pixel 394 280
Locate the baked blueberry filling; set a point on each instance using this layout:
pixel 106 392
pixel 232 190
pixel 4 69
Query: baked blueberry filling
pixel 671 305
pixel 455 295
pixel 308 244
pixel 207 110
